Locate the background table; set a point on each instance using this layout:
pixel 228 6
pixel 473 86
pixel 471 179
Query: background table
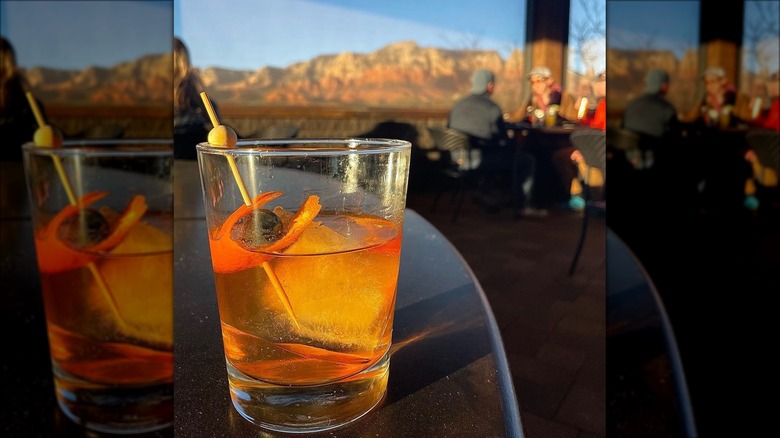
pixel 448 370
pixel 554 171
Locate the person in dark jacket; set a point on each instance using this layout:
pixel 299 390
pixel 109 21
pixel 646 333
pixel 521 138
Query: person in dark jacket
pixel 482 120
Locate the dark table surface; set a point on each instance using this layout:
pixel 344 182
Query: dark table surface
pixel 647 391
pixel 449 375
pixel 28 407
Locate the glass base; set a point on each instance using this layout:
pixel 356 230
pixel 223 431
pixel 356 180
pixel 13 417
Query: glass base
pixel 116 410
pixel 305 409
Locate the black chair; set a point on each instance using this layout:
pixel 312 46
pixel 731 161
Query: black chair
pixel 766 145
pixel 281 131
pixel 627 145
pixel 592 144
pixel 458 163
pixel 106 131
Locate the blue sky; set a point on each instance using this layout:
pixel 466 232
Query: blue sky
pixel 672 25
pixel 250 34
pixel 768 44
pixel 79 34
pixel 577 16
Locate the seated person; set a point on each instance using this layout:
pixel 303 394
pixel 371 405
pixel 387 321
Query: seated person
pixel 765 176
pixel 545 94
pixel 753 104
pixel 482 120
pixel 191 124
pixel 718 103
pixel 598 118
pixel 17 122
pixel 651 114
pixel 771 119
pixel 585 101
pixel 655 120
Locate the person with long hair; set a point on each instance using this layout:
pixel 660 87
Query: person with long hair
pixel 191 123
pixel 17 121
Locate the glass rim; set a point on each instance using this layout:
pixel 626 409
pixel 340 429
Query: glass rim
pixel 106 148
pixel 309 146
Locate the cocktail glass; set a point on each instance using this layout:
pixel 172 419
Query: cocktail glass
pixel 102 217
pixel 305 239
pixel 551 116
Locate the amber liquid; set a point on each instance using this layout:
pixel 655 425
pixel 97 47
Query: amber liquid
pixel 340 278
pixel 113 362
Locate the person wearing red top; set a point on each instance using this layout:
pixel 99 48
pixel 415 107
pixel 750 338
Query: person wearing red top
pixel 599 119
pixel 768 120
pixel 771 119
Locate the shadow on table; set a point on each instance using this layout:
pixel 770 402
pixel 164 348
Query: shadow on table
pixel 454 337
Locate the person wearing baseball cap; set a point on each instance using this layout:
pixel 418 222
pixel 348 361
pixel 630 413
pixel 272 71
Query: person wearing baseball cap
pixel 545 93
pixel 651 114
pixel 718 101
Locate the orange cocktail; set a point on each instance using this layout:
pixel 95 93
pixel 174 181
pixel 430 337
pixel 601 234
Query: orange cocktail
pixel 306 280
pixel 105 260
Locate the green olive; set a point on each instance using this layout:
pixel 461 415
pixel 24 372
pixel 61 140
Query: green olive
pixel 85 228
pixel 259 228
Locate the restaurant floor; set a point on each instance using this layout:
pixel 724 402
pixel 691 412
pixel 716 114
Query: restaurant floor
pixel 552 324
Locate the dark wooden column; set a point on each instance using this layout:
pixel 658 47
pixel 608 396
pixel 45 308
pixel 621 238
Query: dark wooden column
pixel 721 32
pixel 547 35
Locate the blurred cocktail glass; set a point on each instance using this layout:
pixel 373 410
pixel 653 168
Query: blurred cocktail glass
pixel 102 217
pixel 551 115
pixel 305 239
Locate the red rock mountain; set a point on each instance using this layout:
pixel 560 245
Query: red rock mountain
pixel 399 75
pixel 146 80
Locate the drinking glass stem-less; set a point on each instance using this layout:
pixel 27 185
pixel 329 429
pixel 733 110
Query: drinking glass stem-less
pixel 306 274
pixel 102 216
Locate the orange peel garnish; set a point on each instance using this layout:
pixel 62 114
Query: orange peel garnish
pixel 55 256
pixel 132 214
pixel 227 256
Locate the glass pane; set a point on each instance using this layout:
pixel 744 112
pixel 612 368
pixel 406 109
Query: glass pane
pixel 644 35
pixel 586 51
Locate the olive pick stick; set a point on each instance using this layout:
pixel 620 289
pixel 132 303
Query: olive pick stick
pixel 48 136
pixel 52 139
pixel 224 136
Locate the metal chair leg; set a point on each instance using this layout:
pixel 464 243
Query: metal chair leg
pixel 458 199
pixel 585 214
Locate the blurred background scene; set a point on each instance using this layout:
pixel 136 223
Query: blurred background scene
pixel 341 67
pixel 98 69
pixel 692 140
